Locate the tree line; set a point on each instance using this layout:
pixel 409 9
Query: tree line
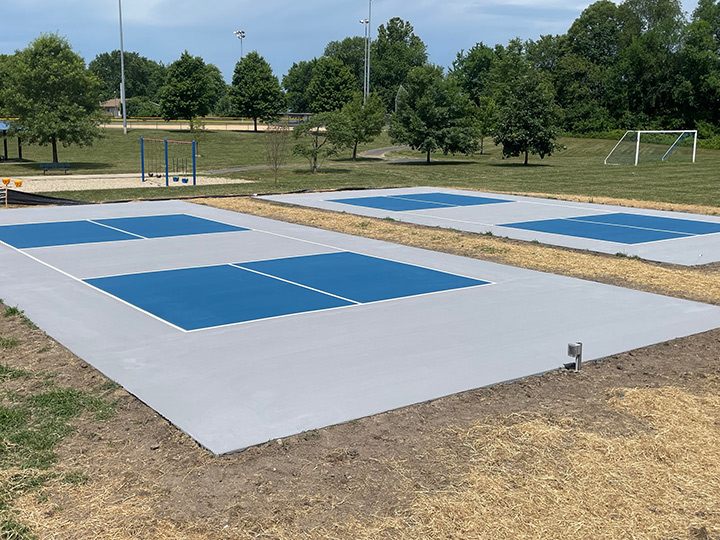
pixel 637 64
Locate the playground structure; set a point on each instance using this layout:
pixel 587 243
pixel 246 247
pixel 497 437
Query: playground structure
pixel 169 159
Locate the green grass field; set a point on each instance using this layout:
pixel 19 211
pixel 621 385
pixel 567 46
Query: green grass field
pixel 576 170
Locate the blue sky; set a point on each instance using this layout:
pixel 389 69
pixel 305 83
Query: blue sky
pixel 283 31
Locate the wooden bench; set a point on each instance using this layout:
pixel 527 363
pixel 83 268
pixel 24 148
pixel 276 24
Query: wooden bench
pixel 54 166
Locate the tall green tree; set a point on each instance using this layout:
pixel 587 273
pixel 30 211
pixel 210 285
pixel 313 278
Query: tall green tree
pixel 395 52
pixel 255 90
pixel 527 113
pixel 51 95
pixel 351 52
pixel 295 83
pixel 365 121
pixel 187 93
pixel 434 114
pixel 218 88
pixel 709 11
pixel 143 77
pixel 472 71
pixel 331 85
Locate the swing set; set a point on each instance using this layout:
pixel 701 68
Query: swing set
pixel 169 159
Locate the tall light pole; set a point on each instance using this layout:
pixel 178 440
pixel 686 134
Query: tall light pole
pixel 240 34
pixel 366 27
pixel 367 54
pixel 122 71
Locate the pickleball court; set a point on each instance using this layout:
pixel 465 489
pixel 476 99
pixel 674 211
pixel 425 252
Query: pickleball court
pixel 240 329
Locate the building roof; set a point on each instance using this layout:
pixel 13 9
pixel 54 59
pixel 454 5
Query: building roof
pixel 111 103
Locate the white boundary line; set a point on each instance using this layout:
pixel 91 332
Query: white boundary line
pixel 246 228
pixel 295 283
pixel 221 263
pixel 300 313
pixel 115 229
pixel 78 280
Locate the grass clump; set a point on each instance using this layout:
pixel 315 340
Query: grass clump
pixel 9 343
pixel 16 312
pixel 31 426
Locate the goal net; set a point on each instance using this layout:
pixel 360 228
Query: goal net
pixel 644 146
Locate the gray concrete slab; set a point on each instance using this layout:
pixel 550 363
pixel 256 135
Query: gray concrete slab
pixel 695 250
pixel 236 386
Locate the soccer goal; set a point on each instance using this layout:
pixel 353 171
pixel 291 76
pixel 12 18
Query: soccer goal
pixel 640 146
pixel 172 160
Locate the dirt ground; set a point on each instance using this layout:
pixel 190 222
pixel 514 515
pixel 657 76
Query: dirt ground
pixel 627 448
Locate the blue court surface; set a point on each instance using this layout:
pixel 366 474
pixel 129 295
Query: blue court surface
pixel 196 298
pixel 418 201
pixel 240 330
pixel 659 236
pixel 63 233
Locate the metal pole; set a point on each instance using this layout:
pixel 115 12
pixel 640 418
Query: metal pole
pixel 694 145
pixel 240 34
pixel 142 158
pixel 194 174
pixel 364 22
pixel 122 71
pixel 637 149
pixel 167 175
pixel 369 42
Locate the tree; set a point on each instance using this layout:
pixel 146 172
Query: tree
pixel 50 94
pixel 187 93
pixel 331 85
pixel 217 85
pixel 472 71
pixel 143 77
pixel 276 142
pixel 486 119
pixel 320 137
pixel 256 91
pixel 139 107
pixel 394 53
pixel 351 52
pixel 709 11
pixel 364 121
pixel 598 33
pixel 527 116
pixel 434 114
pixel 296 83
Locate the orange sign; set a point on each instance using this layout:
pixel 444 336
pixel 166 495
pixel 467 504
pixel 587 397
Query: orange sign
pixel 6 181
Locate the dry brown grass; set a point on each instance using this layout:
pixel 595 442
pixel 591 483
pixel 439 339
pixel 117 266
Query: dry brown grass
pixel 533 479
pixel 519 476
pixel 694 283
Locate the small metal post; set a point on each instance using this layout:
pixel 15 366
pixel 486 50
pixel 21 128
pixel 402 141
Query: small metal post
pixel 575 350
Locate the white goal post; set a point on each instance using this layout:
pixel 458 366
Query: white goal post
pixel 654 145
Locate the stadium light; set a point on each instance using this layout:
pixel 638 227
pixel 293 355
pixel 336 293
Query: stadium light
pixel 240 34
pixel 122 70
